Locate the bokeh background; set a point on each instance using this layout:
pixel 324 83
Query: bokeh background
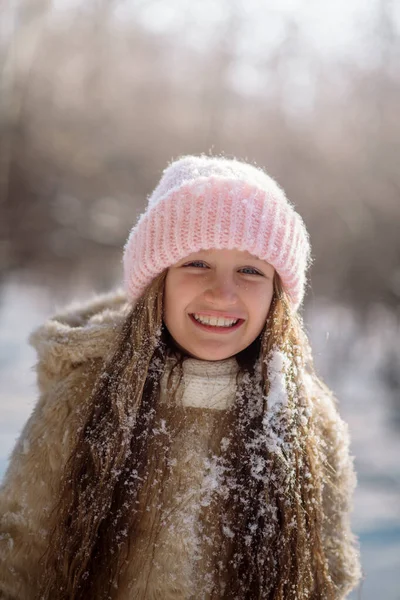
pixel 97 96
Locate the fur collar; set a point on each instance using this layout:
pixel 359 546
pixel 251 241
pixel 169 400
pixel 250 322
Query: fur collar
pixel 81 332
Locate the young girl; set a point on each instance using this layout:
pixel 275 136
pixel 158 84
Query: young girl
pixel 183 446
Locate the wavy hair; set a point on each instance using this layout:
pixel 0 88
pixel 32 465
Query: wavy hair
pixel 268 511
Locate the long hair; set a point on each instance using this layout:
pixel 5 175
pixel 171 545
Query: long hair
pixel 273 534
pixel 270 517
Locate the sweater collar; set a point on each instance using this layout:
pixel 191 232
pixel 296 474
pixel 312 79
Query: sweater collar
pixel 204 384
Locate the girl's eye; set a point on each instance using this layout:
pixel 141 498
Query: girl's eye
pixel 251 271
pixel 196 263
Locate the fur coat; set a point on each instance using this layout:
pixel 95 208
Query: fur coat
pixel 71 348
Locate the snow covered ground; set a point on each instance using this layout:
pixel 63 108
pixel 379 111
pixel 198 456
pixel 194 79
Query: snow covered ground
pixel 349 354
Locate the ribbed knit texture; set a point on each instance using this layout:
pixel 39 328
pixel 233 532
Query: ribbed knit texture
pixel 208 202
pixel 205 384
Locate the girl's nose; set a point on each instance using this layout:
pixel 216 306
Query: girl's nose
pixel 222 291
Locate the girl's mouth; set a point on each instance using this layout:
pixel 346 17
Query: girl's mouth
pixel 220 325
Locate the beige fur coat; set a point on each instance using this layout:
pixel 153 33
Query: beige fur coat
pixel 71 348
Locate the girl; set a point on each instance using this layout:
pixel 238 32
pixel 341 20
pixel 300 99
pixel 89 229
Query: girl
pixel 183 446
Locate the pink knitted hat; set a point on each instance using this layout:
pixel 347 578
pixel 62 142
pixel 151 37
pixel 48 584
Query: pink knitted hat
pixel 207 202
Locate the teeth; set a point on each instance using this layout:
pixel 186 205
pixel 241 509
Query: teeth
pixel 215 321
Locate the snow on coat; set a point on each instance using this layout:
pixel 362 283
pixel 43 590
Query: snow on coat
pixel 71 349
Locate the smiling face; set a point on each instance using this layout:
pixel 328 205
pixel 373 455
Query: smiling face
pixel 216 302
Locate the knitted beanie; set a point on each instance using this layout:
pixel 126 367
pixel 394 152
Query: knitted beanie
pixel 207 202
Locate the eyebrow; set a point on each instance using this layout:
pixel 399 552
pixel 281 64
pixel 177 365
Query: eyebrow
pixel 245 261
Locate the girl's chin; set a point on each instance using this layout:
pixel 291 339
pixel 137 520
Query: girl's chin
pixel 210 355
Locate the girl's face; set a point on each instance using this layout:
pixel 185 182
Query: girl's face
pixel 216 302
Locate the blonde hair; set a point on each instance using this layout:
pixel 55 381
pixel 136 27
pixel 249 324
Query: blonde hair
pixel 276 522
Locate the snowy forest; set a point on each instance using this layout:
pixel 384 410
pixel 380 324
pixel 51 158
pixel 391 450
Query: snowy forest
pixel 96 97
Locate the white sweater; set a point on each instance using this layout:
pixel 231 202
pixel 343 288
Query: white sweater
pixel 205 384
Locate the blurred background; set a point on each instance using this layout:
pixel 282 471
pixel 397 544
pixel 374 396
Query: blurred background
pixel 97 96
